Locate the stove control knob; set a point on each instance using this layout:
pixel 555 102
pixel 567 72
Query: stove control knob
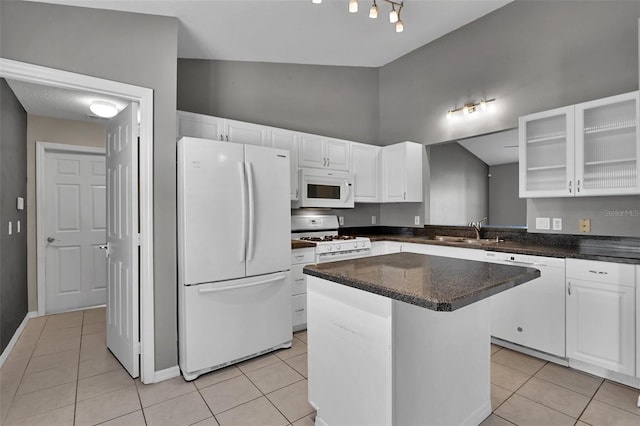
pixel 355 245
pixel 329 247
pixel 362 244
pixel 337 246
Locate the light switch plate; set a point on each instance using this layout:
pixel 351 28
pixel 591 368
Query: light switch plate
pixel 557 224
pixel 373 220
pixel 10 228
pixel 416 220
pixel 584 225
pixel 20 203
pixel 542 223
pixel 341 220
pixel 18 226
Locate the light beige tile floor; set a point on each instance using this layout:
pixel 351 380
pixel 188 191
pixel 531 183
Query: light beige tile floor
pixel 61 373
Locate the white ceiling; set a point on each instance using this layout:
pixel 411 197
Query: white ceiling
pixel 55 102
pixel 495 148
pixel 297 31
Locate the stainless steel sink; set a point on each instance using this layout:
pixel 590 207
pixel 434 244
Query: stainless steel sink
pixel 465 240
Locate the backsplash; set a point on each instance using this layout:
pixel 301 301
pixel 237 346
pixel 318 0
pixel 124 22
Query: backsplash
pixel 609 216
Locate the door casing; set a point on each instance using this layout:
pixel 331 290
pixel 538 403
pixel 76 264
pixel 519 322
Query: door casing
pixel 144 97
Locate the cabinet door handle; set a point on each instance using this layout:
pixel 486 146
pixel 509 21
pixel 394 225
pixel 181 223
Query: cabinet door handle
pixel 569 288
pixel 299 279
pixel 598 272
pixel 221 137
pixel 328 161
pixel 299 256
pixel 227 138
pixel 296 193
pixel 578 186
pixel 569 187
pixel 300 310
pixel 404 195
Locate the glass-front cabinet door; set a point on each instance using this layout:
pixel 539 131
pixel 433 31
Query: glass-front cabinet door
pixel 547 154
pixel 607 146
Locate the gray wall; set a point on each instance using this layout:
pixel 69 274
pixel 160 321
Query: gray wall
pixel 615 216
pixel 126 47
pixel 13 183
pixel 459 185
pixel 530 55
pixel 506 208
pixel 340 102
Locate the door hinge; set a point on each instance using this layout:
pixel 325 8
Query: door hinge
pixel 138 348
pixel 138 239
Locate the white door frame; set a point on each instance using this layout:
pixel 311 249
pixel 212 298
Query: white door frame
pixel 144 97
pixel 42 148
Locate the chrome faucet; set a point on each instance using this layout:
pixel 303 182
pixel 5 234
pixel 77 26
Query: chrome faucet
pixel 476 226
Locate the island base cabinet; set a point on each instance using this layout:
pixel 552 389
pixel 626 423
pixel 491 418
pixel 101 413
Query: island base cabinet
pixel 349 357
pixel 377 361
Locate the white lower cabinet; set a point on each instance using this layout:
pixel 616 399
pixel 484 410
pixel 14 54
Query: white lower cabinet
pixel 601 315
pixel 444 251
pixel 299 258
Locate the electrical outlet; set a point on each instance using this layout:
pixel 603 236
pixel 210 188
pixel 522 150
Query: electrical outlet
pixel 584 225
pixel 542 223
pixel 341 220
pixel 416 220
pixel 557 224
pixel 373 220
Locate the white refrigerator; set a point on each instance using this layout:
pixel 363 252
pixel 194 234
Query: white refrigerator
pixel 234 253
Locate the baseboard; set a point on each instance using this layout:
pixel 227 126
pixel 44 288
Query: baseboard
pixel 16 336
pixel 542 355
pixel 166 374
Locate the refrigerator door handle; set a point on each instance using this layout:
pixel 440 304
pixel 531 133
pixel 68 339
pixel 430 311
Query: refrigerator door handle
pixel 243 191
pixel 234 287
pixel 252 216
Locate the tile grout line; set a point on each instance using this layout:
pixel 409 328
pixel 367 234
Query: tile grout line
pixel 75 399
pixel 25 368
pixel 589 403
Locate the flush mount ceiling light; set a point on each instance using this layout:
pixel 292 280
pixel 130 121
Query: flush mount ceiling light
pixel 394 14
pixel 470 107
pixel 103 109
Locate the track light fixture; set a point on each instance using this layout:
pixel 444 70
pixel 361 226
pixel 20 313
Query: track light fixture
pixel 469 107
pixel 394 14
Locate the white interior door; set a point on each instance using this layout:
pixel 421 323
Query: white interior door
pixel 122 239
pixel 74 228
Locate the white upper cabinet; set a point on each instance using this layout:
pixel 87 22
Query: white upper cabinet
pixel 199 126
pixel 247 133
pixel 402 172
pixel 365 166
pixel 325 153
pixel 608 146
pixel 286 139
pixel 546 153
pixel 220 129
pixel 588 149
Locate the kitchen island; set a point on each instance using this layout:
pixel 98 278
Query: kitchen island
pixel 402 339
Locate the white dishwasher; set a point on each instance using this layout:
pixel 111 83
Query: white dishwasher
pixel 531 314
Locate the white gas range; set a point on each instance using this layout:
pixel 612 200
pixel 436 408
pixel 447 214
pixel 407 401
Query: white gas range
pixel 323 231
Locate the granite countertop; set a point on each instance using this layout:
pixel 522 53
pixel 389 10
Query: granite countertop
pixel 433 282
pixel 599 252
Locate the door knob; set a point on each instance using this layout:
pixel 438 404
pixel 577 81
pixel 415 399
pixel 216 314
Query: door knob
pixel 50 239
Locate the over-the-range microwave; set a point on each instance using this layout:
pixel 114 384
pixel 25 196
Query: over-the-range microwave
pixel 325 188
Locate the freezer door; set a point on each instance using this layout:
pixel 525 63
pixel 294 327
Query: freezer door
pixel 269 241
pixel 227 321
pixel 211 211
